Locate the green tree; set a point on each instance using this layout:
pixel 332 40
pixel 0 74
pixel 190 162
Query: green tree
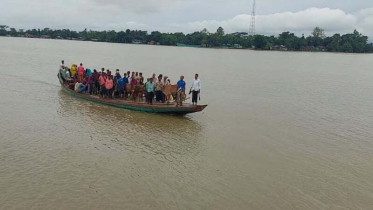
pixel 13 32
pixel 259 42
pixel 318 33
pixel 220 31
pixel 3 30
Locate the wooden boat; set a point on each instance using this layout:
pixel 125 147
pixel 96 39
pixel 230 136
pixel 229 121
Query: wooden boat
pixel 137 106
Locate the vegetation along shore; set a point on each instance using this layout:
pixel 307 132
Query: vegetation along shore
pixel 353 42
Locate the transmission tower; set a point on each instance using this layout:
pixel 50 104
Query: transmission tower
pixel 252 21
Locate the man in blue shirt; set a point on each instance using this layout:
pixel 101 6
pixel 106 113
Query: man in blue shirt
pixel 180 91
pixel 125 82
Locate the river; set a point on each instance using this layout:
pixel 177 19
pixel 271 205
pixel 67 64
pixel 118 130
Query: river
pixel 283 130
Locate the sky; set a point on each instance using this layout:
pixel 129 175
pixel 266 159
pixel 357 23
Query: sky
pixel 273 16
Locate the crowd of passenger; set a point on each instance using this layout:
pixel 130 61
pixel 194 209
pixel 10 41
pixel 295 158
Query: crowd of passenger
pixel 129 86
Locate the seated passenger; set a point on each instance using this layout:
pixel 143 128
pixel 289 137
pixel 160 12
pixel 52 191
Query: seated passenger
pixel 80 87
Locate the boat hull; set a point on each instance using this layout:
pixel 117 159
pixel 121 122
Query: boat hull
pixel 136 106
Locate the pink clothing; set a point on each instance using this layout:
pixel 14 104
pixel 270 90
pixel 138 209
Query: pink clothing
pixel 109 84
pixel 80 70
pixel 102 80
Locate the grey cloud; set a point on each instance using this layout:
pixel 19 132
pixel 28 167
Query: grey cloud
pixel 189 15
pixel 138 6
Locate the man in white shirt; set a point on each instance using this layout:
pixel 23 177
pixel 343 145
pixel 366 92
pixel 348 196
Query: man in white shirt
pixel 62 65
pixel 195 89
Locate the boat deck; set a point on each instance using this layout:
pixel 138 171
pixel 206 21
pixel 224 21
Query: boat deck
pixel 156 107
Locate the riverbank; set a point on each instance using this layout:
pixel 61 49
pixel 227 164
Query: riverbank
pixel 201 47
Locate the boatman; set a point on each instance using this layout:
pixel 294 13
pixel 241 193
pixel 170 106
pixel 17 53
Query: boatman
pixel 195 89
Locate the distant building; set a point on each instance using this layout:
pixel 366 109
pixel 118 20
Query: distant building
pixel 45 37
pixel 136 41
pixel 237 46
pixel 279 48
pixel 321 49
pixel 29 36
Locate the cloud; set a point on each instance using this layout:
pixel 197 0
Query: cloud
pixel 189 15
pixel 129 25
pixel 138 6
pixel 332 20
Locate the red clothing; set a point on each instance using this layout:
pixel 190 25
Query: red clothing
pixel 133 82
pixel 80 70
pixel 109 84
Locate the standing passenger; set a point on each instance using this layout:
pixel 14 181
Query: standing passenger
pixel 141 79
pixel 126 81
pixel 80 72
pixel 120 87
pixel 102 82
pixel 196 89
pixel 96 84
pixel 158 89
pixel 109 86
pixel 62 65
pixel 150 91
pixel 73 70
pixel 180 91
pixel 154 78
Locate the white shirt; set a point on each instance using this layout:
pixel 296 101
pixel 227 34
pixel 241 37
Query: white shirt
pixel 196 84
pixel 62 66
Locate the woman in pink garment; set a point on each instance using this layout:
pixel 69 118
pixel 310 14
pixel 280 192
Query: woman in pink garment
pixel 109 86
pixel 80 72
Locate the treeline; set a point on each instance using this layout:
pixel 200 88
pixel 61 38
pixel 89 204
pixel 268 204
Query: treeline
pixel 317 41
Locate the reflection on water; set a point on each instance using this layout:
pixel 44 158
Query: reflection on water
pixel 160 133
pixel 282 135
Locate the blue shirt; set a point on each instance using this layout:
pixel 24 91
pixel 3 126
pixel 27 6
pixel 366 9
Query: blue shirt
pixel 125 79
pixel 150 87
pixel 121 83
pixel 181 86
